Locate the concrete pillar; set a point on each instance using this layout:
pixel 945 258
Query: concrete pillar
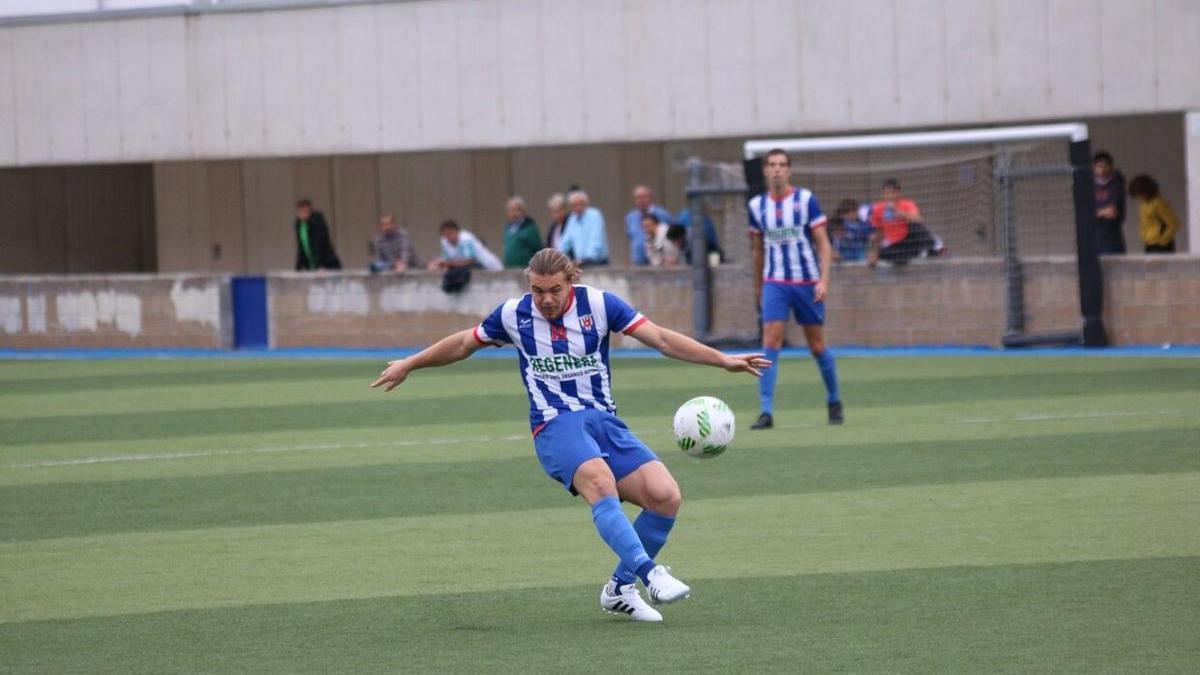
pixel 1191 210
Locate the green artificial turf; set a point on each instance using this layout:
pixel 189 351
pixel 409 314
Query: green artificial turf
pixel 973 515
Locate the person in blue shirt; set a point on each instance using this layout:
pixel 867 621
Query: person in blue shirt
pixel 711 244
pixel 849 232
pixel 560 331
pixel 585 239
pixel 643 204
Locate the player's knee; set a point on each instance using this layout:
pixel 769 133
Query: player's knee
pixel 817 350
pixel 595 485
pixel 666 499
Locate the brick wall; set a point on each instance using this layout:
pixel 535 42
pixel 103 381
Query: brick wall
pixel 1148 300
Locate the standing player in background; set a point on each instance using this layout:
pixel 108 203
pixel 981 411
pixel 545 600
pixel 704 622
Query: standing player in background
pixel 561 332
pixel 792 258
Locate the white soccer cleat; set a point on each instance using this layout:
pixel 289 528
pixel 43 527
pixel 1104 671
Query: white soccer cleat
pixel 664 588
pixel 626 600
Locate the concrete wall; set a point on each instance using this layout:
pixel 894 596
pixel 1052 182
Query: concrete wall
pixel 445 74
pixel 115 311
pixel 77 220
pixel 1148 300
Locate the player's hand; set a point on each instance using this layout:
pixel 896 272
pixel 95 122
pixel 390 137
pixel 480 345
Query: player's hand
pixel 395 373
pixel 747 363
pixel 819 290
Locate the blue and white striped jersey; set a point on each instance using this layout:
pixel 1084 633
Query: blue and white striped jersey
pixel 786 226
pixel 564 363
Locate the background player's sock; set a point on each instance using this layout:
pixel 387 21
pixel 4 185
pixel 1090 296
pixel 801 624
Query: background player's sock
pixel 616 531
pixel 829 374
pixel 766 385
pixel 652 528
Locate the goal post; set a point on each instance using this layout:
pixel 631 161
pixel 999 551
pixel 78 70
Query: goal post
pixel 1003 194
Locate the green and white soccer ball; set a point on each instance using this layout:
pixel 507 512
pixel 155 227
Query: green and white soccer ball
pixel 704 427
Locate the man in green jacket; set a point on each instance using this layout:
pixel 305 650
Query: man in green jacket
pixel 521 236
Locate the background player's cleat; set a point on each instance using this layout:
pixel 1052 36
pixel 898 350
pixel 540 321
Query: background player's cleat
pixel 626 600
pixel 835 413
pixel 764 421
pixel 663 588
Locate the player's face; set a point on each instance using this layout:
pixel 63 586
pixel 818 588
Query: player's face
pixel 1101 170
pixel 777 171
pixel 550 293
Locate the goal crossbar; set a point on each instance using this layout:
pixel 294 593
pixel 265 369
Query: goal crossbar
pixel 1072 131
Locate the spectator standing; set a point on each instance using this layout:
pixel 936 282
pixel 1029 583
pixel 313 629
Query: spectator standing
pixel 850 232
pixel 711 244
pixel 585 239
pixel 1158 222
pixel 314 249
pixel 1110 205
pixel 643 204
pixel 659 249
pixel 460 248
pixel 558 220
pixel 899 235
pixel 394 251
pixel 521 236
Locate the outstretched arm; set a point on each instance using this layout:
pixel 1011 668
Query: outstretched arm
pixel 684 348
pixel 450 349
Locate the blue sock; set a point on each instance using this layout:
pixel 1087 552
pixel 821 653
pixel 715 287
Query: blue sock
pixel 618 533
pixel 766 385
pixel 829 374
pixel 652 528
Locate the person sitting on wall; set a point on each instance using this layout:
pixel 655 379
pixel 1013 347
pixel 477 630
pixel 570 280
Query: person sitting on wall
pixel 659 250
pixel 850 232
pixel 899 235
pixel 392 248
pixel 1158 221
pixel 521 236
pixel 460 248
pixel 314 248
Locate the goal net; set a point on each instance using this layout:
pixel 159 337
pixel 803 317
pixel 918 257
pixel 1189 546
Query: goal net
pixel 990 259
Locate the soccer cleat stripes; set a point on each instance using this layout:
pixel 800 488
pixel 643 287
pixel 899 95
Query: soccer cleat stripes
pixel 626 600
pixel 663 588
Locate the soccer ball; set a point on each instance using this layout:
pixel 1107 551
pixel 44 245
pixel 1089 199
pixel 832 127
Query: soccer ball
pixel 704 427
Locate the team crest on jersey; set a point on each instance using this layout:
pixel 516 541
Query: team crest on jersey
pixel 558 332
pixel 587 322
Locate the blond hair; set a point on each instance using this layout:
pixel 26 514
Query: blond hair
pixel 548 262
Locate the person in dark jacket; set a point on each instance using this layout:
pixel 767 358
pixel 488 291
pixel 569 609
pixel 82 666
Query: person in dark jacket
pixel 314 248
pixel 521 236
pixel 1110 205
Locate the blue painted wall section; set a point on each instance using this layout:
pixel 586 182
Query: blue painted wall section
pixel 250 326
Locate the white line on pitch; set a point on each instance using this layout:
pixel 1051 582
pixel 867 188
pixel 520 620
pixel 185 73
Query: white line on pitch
pixel 1074 416
pixel 150 457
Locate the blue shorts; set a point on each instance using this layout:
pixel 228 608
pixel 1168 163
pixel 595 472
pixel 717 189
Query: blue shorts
pixel 573 438
pixel 781 300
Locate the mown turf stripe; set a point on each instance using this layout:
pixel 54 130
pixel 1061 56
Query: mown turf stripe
pixel 391 490
pixel 1065 617
pixel 990 523
pixel 416 404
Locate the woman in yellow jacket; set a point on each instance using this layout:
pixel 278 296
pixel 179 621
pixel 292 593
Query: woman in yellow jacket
pixel 1158 221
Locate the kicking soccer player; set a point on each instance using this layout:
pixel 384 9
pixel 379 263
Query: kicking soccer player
pixel 791 265
pixel 561 332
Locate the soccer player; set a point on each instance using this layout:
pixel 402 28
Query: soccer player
pixel 561 332
pixel 791 265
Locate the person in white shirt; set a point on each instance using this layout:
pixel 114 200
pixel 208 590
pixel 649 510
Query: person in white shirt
pixel 460 248
pixel 660 251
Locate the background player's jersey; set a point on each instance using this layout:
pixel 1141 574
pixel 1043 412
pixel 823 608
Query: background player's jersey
pixel 786 226
pixel 564 363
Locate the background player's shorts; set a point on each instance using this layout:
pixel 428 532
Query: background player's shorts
pixel 573 438
pixel 780 300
